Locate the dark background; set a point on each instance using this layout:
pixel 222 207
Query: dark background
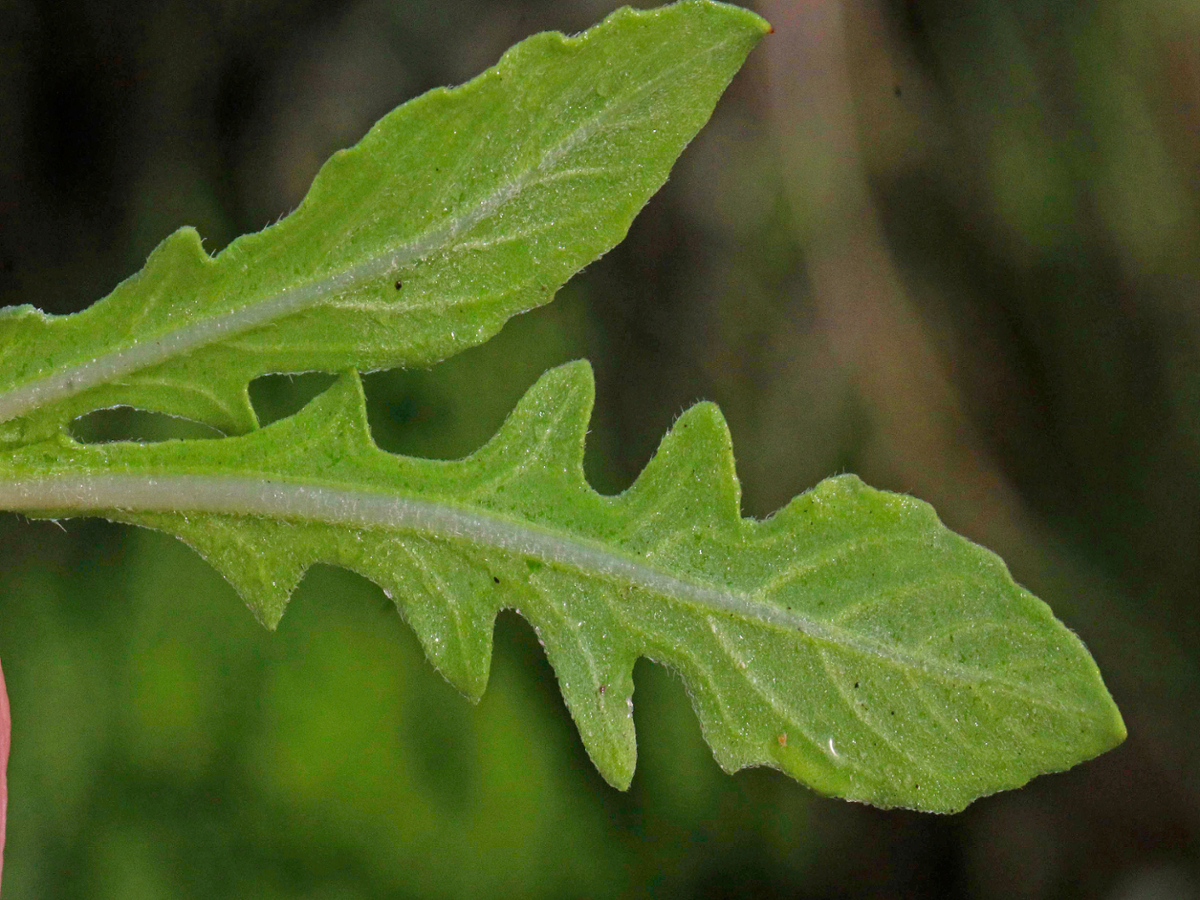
pixel 951 246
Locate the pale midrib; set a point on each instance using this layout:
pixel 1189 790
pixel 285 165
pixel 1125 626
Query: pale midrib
pixel 288 500
pixel 152 351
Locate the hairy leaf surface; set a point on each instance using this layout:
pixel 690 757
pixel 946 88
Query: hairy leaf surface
pixel 455 212
pixel 850 640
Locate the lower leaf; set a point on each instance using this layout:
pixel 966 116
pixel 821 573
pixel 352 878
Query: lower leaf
pixel 851 640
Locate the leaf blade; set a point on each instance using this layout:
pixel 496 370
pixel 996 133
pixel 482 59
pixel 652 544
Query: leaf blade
pixel 479 201
pixel 851 640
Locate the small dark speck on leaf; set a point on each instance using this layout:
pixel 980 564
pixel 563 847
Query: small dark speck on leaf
pixel 856 685
pixel 602 688
pixel 399 284
pixel 495 579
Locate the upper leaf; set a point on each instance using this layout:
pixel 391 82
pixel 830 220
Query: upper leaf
pixel 456 211
pixel 851 640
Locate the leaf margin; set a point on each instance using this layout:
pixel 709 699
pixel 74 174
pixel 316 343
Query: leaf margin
pixel 698 443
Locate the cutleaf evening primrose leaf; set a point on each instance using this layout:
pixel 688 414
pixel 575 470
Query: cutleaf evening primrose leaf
pixel 455 212
pixel 850 640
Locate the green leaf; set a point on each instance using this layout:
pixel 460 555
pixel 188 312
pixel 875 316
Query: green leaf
pixel 851 640
pixel 455 212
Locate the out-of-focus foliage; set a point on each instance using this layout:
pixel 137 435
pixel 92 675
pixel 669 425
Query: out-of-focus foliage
pixel 1032 172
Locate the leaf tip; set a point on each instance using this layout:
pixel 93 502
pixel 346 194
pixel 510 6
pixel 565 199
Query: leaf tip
pixel 577 373
pixel 749 19
pixel 1112 728
pixel 267 614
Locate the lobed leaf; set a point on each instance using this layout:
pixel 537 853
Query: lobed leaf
pixel 456 211
pixel 851 640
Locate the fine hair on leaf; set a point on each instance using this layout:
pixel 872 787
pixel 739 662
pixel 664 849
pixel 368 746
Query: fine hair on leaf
pixel 850 640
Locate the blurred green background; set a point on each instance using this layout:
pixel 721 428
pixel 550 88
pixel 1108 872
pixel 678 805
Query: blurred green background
pixel 951 246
